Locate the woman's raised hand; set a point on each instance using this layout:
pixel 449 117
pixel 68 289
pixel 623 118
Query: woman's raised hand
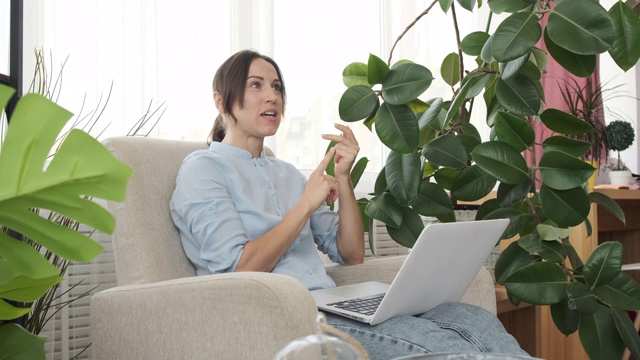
pixel 346 151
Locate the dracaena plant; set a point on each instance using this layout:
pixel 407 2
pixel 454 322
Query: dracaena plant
pixel 437 157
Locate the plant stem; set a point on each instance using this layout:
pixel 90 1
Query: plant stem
pixel 457 30
pixel 425 12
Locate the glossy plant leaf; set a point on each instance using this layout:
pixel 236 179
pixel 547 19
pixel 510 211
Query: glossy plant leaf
pixel 562 171
pixel 501 161
pixel 512 259
pixel 386 209
pixel 518 95
pixel 468 83
pixel 513 67
pixel 405 82
pixel 472 184
pixel 486 55
pixel 9 312
pixel 623 291
pixel 26 290
pixel 21 258
pixel 472 43
pixel 581 299
pixel 467 4
pixel 18 343
pixel 567 145
pixel 358 170
pixel 627 331
pixel 552 233
pixel 430 115
pixel 599 336
pixel 407 233
pixel 447 151
pixel 450 69
pixel 572 254
pixel 432 200
pixel 377 70
pixel 540 283
pixel 515 36
pixel 539 58
pixel 508 194
pixel 610 205
pixel 514 130
pixel 445 5
pixel 380 185
pixel 509 6
pixel 565 207
pixel 582 27
pixel 625 51
pixel 603 264
pixel 578 65
pixel 356 103
pixel 565 319
pixel 551 251
pixel 397 127
pixel 445 176
pixel 564 123
pixel 403 176
pixel 355 74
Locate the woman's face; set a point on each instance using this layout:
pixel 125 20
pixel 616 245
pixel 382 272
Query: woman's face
pixel 263 106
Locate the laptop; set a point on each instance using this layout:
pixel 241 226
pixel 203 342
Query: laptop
pixel 439 268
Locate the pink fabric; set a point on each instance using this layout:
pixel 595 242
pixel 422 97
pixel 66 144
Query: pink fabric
pixel 553 80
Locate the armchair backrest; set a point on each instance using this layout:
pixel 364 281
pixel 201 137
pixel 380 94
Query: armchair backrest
pixel 146 243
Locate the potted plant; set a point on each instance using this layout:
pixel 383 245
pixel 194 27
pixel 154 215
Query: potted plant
pixel 437 157
pixel 81 168
pixel 620 135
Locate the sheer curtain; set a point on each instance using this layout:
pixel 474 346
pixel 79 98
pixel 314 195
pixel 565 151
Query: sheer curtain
pixel 162 54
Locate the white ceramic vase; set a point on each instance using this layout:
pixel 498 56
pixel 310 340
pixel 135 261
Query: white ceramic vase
pixel 620 177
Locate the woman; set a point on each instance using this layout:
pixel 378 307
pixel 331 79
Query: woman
pixel 239 210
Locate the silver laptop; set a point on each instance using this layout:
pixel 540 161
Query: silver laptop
pixel 439 268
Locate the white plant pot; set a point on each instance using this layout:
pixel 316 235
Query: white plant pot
pixel 620 177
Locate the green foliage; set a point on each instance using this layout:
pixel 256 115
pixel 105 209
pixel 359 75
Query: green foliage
pixel 81 169
pixel 620 135
pixel 437 157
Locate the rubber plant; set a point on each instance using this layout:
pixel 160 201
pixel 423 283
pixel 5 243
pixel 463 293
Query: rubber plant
pixel 437 157
pixel 82 168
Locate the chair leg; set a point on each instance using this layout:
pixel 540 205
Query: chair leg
pixel 636 324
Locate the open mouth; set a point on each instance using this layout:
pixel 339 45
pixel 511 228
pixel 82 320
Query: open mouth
pixel 270 114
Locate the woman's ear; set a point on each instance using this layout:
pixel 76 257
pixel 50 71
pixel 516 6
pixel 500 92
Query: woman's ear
pixel 217 99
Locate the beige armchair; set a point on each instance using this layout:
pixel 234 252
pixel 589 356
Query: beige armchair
pixel 162 310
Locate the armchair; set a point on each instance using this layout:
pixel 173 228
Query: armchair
pixel 161 309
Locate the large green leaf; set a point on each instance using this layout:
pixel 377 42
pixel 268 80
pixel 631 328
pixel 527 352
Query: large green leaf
pixel 445 5
pixel 551 251
pixel 603 264
pixel 358 170
pixel 472 43
pixel 578 65
pixel 581 298
pixel 565 207
pixel 403 173
pixel 397 127
pixel 582 27
pixel 407 233
pixel 17 343
pixel 508 194
pixel 22 258
pixel 623 291
pixel 81 168
pixel 564 123
pixel 9 312
pixel 513 67
pixel 515 36
pixel 27 290
pixel 450 69
pixel 570 146
pixel 608 204
pixel 540 283
pixel 472 184
pixel 447 151
pixel 431 114
pixel 518 95
pixel 385 208
pixel 562 171
pixel 627 331
pixel 377 70
pixel 501 161
pixel 405 82
pixel 356 103
pixel 625 51
pixel 467 4
pixel 355 74
pixel 500 6
pixel 514 130
pixel 512 259
pixel 432 200
pixel 565 319
pixel 552 233
pixel 599 336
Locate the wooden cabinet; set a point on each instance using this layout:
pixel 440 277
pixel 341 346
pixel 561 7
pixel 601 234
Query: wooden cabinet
pixel 532 326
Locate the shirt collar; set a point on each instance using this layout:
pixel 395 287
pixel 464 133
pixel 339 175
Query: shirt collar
pixel 234 151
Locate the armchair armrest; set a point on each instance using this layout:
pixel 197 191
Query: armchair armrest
pixel 481 292
pixel 223 316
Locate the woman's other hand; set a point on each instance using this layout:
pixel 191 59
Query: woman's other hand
pixel 346 151
pixel 320 186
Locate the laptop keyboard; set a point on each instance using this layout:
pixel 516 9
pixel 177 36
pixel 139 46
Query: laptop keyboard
pixel 364 306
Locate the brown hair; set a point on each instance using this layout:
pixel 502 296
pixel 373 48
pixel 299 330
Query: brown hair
pixel 229 82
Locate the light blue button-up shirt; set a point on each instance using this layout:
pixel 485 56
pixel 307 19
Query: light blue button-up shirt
pixel 224 198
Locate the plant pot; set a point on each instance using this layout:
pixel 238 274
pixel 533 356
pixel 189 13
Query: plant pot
pixel 620 177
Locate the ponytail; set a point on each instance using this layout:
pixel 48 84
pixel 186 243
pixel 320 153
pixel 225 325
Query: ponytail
pixel 217 131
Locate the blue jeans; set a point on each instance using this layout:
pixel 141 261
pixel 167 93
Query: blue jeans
pixel 453 327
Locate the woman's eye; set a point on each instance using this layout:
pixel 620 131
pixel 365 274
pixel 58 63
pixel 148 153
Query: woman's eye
pixel 255 85
pixel 277 87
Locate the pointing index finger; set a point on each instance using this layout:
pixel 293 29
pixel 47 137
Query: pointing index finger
pixel 327 158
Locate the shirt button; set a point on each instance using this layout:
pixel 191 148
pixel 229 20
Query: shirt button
pixel 269 186
pixel 261 163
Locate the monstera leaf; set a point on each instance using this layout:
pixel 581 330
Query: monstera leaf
pixel 81 169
